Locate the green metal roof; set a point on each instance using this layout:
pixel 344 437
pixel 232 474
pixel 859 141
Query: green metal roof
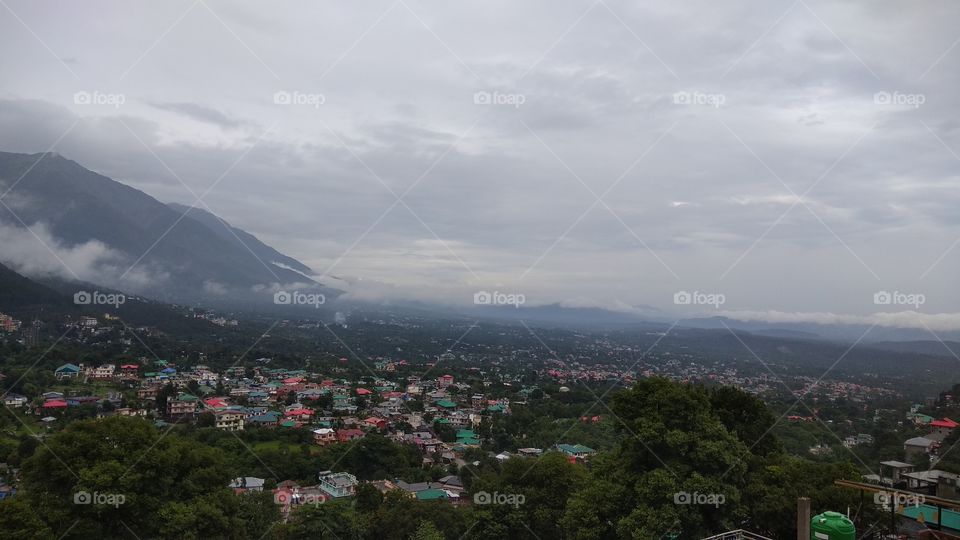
pixel 431 495
pixel 469 441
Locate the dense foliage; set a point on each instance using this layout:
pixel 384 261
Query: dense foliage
pixel 671 440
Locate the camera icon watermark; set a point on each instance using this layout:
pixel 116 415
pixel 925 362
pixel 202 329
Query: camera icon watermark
pixel 484 97
pixel 308 99
pixel 897 298
pixel 510 499
pixel 99 98
pixel 699 98
pixel 97 298
pixel 697 298
pixel 697 498
pixel 297 298
pixel 284 498
pixel 899 99
pixel 497 298
pixel 898 499
pixel 108 499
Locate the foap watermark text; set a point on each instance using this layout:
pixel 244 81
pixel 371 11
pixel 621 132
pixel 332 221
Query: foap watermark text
pixel 297 298
pixel 897 298
pixel 709 499
pixel 97 97
pixel 97 298
pixel 307 99
pixel 499 98
pixel 699 98
pixel 497 298
pixel 510 499
pixel 698 298
pixel 108 499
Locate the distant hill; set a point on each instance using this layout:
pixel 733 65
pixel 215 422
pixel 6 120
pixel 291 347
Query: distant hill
pixel 193 256
pixel 53 301
pixel 829 332
pixel 945 348
pixel 19 294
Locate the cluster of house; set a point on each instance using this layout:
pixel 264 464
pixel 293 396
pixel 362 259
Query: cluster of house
pixel 289 495
pixel 929 444
pixel 282 398
pixel 925 480
pixel 901 475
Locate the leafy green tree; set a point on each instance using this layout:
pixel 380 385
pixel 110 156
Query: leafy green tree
pixel 332 520
pixel 747 417
pixel 676 445
pixel 104 478
pixel 592 512
pixel 527 499
pixel 427 531
pixel 18 521
pixel 400 516
pixel 206 420
pixel 368 498
pixel 772 495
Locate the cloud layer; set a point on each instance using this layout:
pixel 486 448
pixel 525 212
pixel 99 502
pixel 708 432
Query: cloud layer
pixel 796 157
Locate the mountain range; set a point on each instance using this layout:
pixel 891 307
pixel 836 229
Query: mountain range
pixel 137 243
pixel 95 230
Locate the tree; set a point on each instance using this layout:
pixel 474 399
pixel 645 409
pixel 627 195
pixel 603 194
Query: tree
pixel 400 516
pixel 206 419
pixel 19 522
pixel 163 395
pixel 368 498
pixel 332 520
pixel 104 478
pixel 527 499
pixel 773 495
pixel 675 445
pixel 427 531
pixel 747 417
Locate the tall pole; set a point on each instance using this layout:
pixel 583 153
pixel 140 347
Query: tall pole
pixel 803 518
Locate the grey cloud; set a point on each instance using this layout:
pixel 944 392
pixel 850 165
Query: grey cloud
pixel 201 113
pixel 598 99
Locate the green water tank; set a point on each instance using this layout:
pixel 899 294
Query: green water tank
pixel 832 526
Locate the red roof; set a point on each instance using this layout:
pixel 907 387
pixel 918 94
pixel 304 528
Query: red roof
pixel 363 392
pixel 299 412
pixel 347 434
pixel 946 423
pixel 130 366
pixel 55 404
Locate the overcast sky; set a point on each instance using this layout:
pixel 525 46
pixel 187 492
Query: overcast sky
pixel 796 157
